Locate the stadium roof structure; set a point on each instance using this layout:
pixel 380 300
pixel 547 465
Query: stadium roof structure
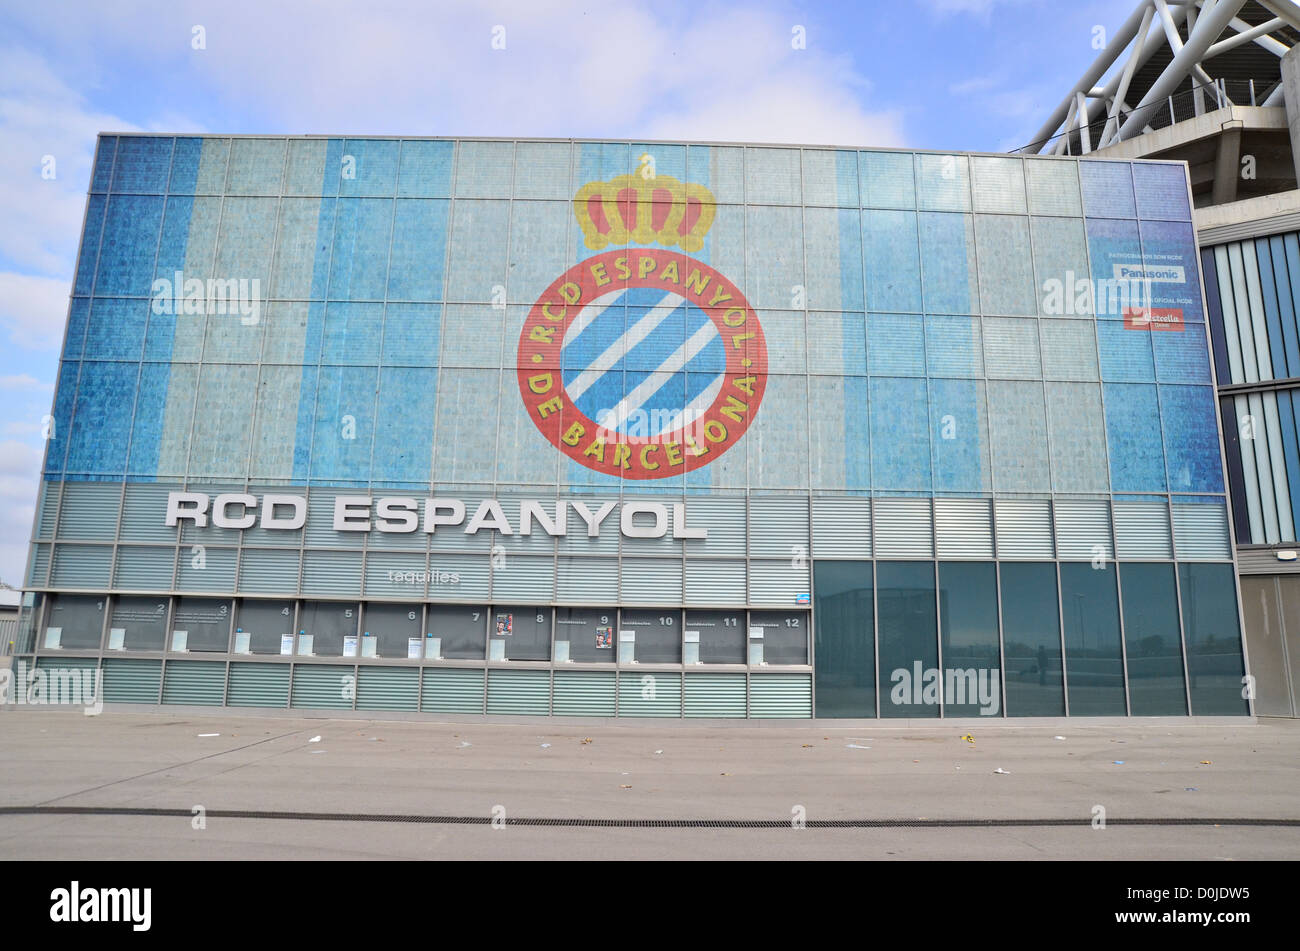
pixel 1172 60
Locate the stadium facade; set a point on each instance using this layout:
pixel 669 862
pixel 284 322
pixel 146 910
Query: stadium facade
pixel 586 428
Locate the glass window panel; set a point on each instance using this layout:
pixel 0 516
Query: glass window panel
pixel 1018 425
pixel 1061 267
pixel 392 625
pixel 1005 265
pixel 206 621
pixel 80 618
pixel 461 628
pixel 1031 638
pixel 998 184
pixel 785 635
pixel 328 622
pixel 592 633
pixel 968 629
pixel 1214 661
pixel 525 631
pixel 909 647
pixel 887 180
pixel 1107 189
pixel 142 619
pixel 265 623
pixel 1053 187
pixel 720 635
pixel 947 263
pixel 1156 686
pixel 891 253
pixel 658 635
pixel 942 182
pixel 1090 606
pixel 845 667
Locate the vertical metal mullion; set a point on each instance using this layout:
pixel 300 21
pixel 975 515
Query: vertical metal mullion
pixel 1002 654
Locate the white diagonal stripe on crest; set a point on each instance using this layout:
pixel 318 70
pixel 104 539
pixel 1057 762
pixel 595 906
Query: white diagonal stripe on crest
pixel 651 384
pixel 615 352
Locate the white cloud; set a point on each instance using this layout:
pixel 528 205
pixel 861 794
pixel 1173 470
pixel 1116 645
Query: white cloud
pixel 34 309
pixel 24 381
pixel 20 465
pixel 567 69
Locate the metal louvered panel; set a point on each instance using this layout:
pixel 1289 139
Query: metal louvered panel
pixel 320 521
pixel 331 572
pixel 471 571
pixel 1201 532
pixel 1083 529
pixel 67 680
pixel 723 519
pixel 449 690
pixel 841 528
pixel 715 695
pixel 131 681
pixel 47 508
pixel 326 687
pixel 258 685
pixel 194 682
pixel 587 580
pixel 274 537
pixel 1142 530
pixel 577 541
pixel 388 688
pixel 396 574
pixel 1023 528
pixel 778 582
pixel 715 582
pixel 40 565
pixel 144 513
pixel 780 696
pixel 652 581
pixel 210 569
pixel 964 528
pixel 90 510
pixel 269 571
pixel 522 692
pixel 584 693
pixel 778 526
pixel 523 578
pixel 141 568
pixel 211 534
pixel 902 528
pixel 649 694
pixel 82 566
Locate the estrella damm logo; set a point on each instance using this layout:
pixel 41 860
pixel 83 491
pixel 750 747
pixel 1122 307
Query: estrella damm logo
pixel 643 363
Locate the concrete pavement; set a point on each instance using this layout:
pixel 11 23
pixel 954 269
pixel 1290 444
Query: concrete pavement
pixel 1150 769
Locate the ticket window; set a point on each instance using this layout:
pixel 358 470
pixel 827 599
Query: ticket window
pixel 586 635
pixel 519 633
pixel 262 626
pixel 778 637
pixel 648 636
pixel 453 632
pixel 200 624
pixel 74 622
pixel 137 623
pixel 326 628
pixel 392 631
pixel 714 637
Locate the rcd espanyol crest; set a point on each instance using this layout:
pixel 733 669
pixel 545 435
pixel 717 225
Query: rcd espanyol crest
pixel 642 362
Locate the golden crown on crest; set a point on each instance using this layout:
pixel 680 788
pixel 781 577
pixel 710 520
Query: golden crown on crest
pixel 630 208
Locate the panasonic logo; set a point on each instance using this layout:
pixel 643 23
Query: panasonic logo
pixel 402 514
pixel 1166 274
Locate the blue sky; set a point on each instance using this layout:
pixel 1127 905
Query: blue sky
pixel 977 75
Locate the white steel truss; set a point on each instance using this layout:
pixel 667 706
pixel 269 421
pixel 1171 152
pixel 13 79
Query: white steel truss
pixel 1102 90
